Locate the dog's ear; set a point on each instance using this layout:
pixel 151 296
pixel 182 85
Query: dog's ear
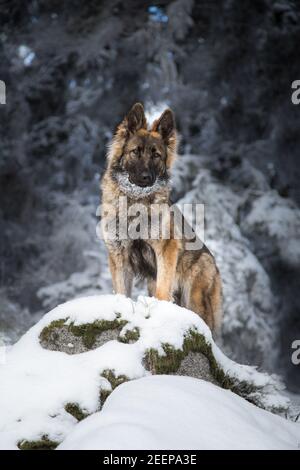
pixel 165 125
pixel 135 119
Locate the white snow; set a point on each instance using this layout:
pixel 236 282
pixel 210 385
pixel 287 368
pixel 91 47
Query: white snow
pixel 276 214
pixel 36 384
pixel 26 54
pixel 154 111
pixel 168 412
pixel 278 220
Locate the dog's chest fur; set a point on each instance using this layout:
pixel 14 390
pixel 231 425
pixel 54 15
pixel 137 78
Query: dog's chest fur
pixel 140 253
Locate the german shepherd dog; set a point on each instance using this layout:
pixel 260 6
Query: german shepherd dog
pixel 138 167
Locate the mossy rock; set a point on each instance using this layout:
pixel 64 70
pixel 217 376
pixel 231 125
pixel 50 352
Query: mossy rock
pixel 114 380
pixel 196 365
pixel 130 336
pixel 196 349
pixel 195 359
pixel 75 410
pixel 44 443
pixel 74 339
pixel 170 361
pixel 107 368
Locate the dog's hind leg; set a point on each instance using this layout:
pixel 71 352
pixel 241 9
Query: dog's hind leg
pixel 198 302
pixel 206 300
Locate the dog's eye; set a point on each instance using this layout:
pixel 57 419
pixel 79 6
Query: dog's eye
pixel 155 154
pixel 135 151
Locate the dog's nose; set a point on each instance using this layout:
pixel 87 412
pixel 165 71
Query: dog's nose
pixel 146 178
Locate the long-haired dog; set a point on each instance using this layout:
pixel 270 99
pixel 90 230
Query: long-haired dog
pixel 138 168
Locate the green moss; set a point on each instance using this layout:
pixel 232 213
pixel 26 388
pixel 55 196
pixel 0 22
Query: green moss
pixel 44 443
pixel 170 361
pixel 75 410
pixel 195 342
pixel 130 335
pixel 87 331
pixel 114 380
pixel 48 330
pixel 164 364
pixel 104 394
pixel 90 331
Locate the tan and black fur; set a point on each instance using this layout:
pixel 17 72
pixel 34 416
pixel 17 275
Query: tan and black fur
pixel 142 158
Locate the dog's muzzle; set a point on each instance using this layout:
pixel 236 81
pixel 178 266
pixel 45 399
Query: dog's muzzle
pixel 145 179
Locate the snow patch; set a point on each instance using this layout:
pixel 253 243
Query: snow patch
pixel 26 54
pixel 167 412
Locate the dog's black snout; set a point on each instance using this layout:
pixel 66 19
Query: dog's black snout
pixel 146 177
pixel 142 177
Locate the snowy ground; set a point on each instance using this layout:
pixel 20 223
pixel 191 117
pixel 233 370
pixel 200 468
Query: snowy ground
pixel 37 384
pixel 167 412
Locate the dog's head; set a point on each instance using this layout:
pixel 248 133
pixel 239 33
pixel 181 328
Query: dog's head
pixel 144 155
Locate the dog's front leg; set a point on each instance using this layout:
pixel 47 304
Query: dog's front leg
pixel 121 273
pixel 166 260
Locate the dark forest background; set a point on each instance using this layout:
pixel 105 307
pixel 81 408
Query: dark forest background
pixel 72 70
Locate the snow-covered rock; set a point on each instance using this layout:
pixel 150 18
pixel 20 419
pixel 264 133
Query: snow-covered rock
pixel 65 366
pixel 167 412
